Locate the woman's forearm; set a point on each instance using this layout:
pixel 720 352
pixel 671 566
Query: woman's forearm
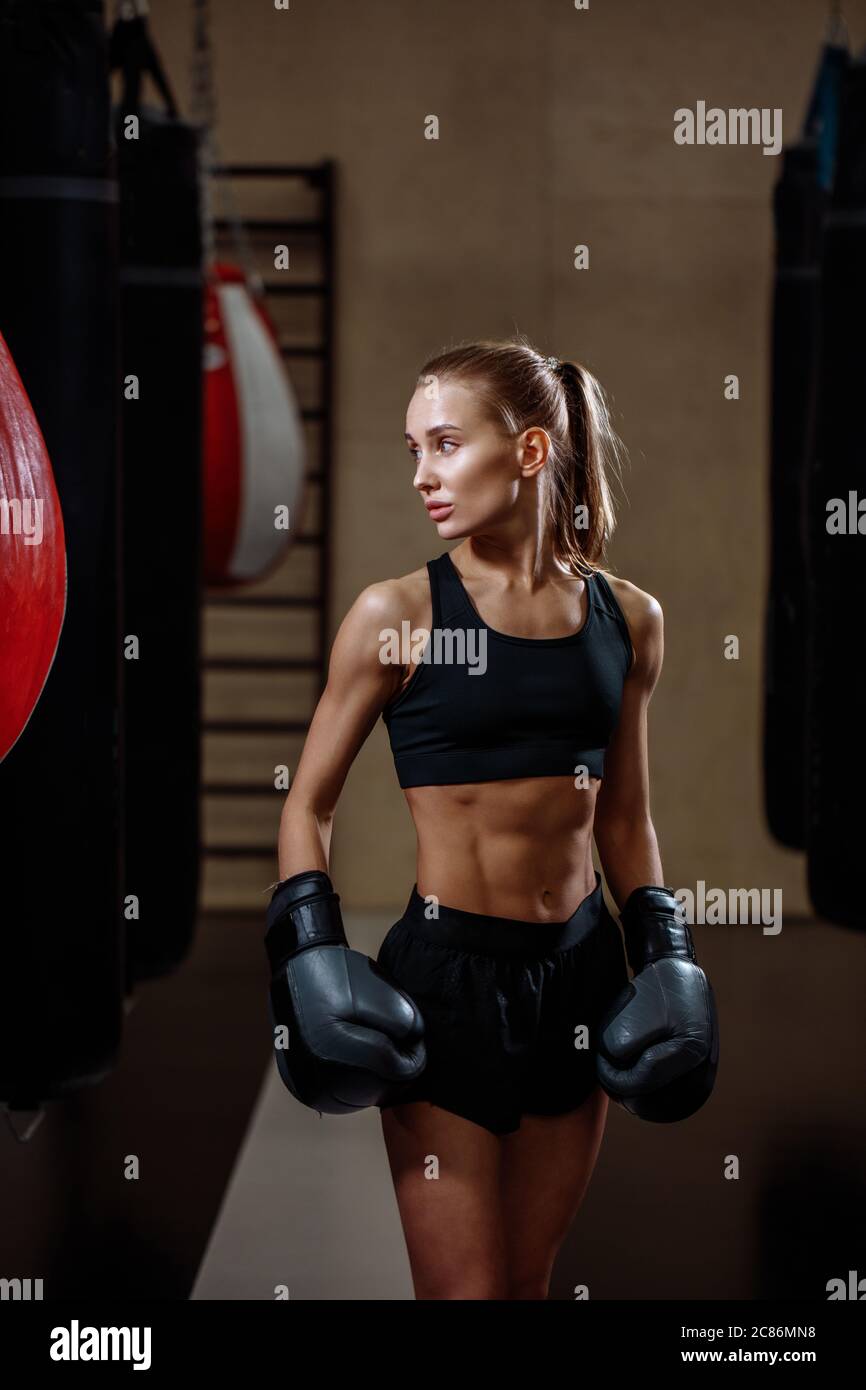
pixel 629 856
pixel 304 840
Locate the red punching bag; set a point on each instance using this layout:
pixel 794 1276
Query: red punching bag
pixel 32 557
pixel 253 437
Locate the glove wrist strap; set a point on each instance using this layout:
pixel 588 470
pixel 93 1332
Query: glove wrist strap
pixel 651 929
pixel 295 926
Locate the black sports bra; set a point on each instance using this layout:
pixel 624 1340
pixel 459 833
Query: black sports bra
pixel 482 706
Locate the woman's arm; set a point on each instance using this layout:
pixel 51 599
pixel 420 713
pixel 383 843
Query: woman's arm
pixel 344 1036
pixel 359 686
pixel 624 832
pixel 659 1047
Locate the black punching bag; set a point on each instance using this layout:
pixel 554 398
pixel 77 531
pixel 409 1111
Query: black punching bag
pixel 798 205
pixel 836 761
pixel 161 336
pixel 61 965
pixel 800 200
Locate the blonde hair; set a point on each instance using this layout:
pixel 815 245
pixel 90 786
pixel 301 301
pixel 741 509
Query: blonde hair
pixel 521 388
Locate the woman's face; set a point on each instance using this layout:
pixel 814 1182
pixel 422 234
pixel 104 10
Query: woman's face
pixel 467 471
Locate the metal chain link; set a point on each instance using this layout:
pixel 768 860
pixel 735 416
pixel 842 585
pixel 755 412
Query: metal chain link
pixel 203 110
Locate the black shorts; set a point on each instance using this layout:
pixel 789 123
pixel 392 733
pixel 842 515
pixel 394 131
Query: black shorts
pixel 510 1008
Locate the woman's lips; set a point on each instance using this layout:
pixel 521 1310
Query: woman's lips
pixel 439 513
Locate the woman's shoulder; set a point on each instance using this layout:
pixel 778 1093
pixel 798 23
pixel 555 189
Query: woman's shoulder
pixel 641 610
pixel 388 602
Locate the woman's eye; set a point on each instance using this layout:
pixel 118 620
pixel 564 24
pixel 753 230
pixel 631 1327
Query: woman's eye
pixel 415 453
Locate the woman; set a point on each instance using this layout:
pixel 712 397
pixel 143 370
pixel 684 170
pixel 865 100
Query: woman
pixel 514 747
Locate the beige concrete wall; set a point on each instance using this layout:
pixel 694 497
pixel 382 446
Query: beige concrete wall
pixel 556 128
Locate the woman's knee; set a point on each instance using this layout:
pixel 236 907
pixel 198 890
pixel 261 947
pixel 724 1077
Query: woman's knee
pixel 528 1287
pixel 463 1284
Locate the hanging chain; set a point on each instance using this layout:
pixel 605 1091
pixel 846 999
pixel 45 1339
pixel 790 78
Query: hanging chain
pixel 837 29
pixel 203 110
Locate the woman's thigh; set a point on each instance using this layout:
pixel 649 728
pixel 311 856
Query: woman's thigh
pixel 546 1168
pixel 446 1178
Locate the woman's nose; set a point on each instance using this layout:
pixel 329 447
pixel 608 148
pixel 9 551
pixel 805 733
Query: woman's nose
pixel 424 475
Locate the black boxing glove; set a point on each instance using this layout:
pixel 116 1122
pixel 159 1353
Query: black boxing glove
pixel 658 1048
pixel 351 1033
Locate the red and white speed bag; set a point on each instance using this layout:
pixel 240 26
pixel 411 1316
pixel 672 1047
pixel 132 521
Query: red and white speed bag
pixel 253 438
pixel 32 557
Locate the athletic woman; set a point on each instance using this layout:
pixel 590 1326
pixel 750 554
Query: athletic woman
pixel 517 715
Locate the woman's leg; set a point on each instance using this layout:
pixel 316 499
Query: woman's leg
pixel 452 1221
pixel 546 1168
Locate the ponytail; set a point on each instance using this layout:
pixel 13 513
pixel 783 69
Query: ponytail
pixel 579 500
